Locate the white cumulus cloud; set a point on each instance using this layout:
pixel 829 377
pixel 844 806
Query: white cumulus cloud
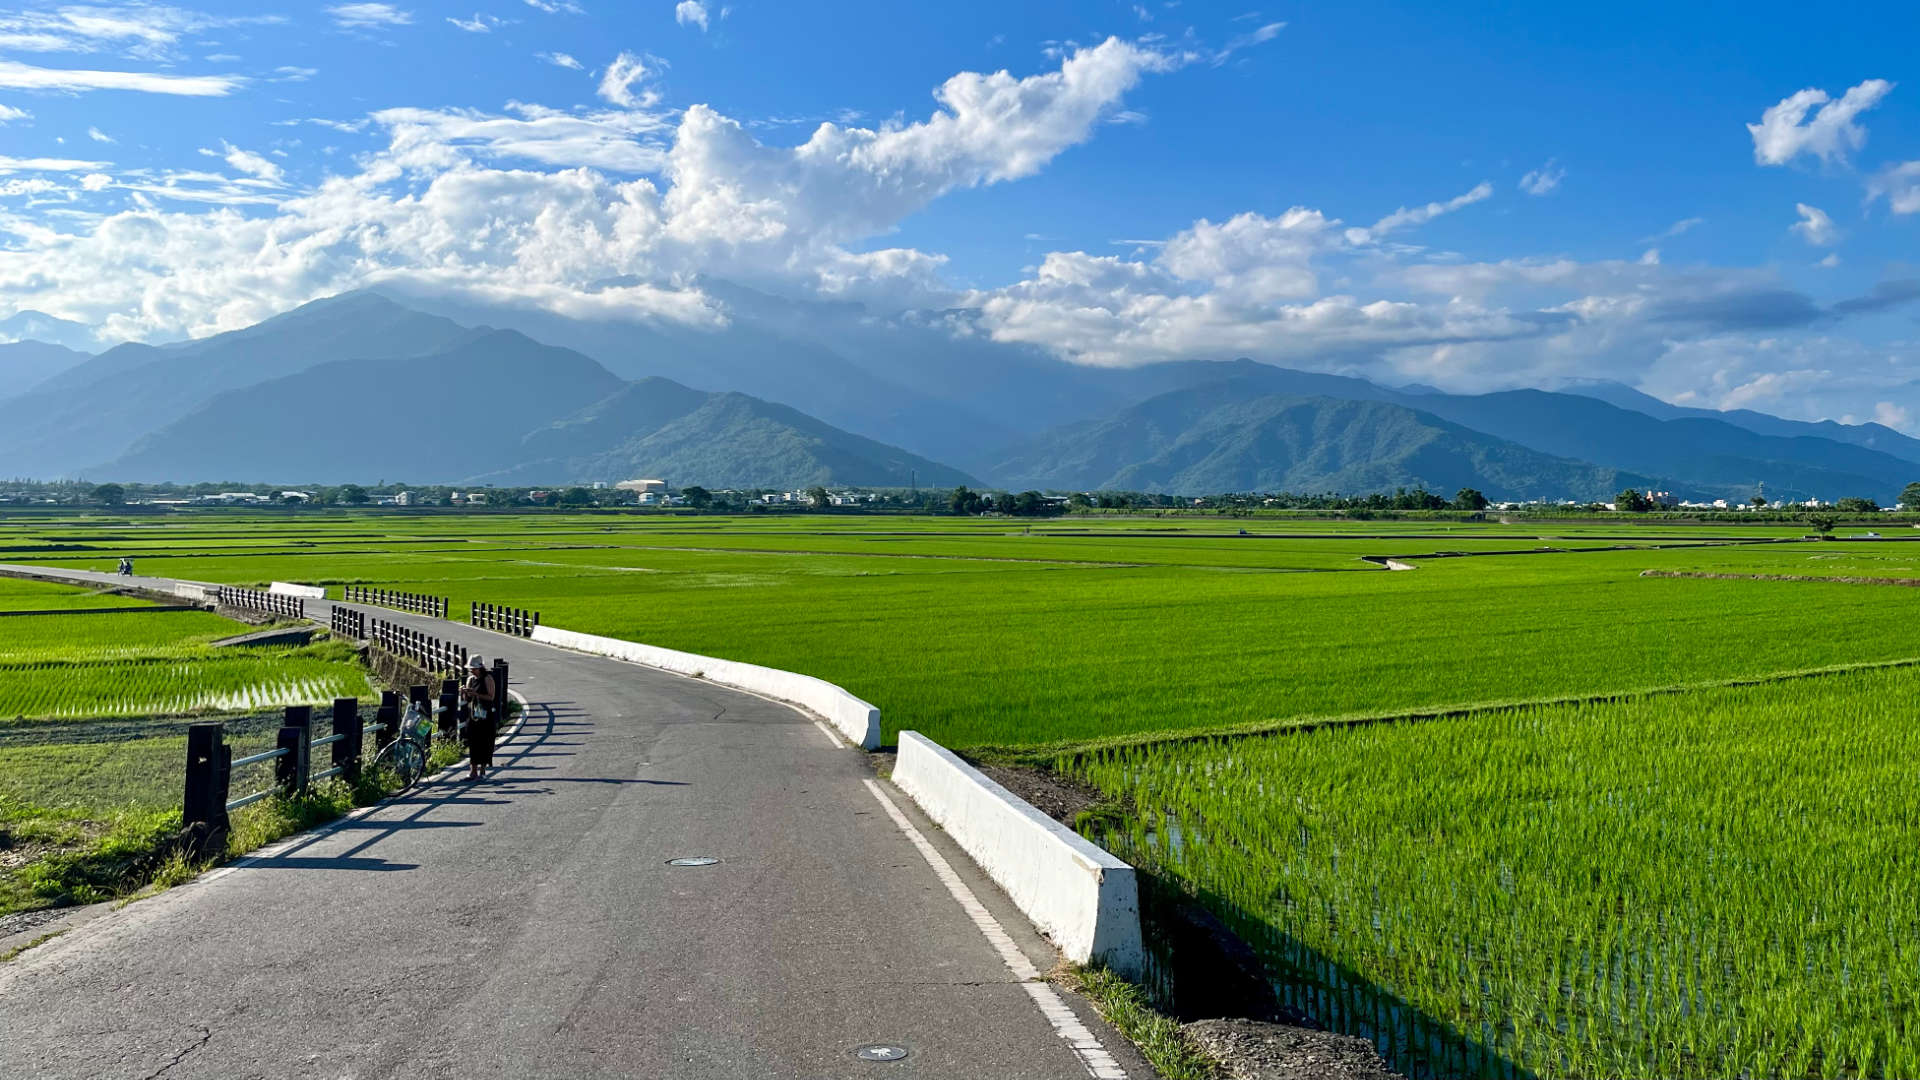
pixel 560 59
pixel 617 84
pixel 525 207
pixel 1785 131
pixel 8 114
pixel 691 13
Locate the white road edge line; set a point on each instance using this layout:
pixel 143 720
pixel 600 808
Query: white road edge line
pixel 1100 1064
pixel 836 740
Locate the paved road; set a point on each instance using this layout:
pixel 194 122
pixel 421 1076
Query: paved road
pixel 529 925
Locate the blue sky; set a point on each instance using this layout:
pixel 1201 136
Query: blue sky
pixel 1721 205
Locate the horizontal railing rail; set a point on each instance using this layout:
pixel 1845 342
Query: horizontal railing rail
pixel 517 621
pixel 417 603
pixel 292 607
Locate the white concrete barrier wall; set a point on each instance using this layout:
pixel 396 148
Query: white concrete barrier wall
pixel 852 717
pixel 308 592
pixel 1079 895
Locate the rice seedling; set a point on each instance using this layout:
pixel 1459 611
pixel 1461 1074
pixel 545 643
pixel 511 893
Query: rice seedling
pixel 1685 885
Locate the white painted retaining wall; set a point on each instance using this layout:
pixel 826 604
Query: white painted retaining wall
pixel 1079 895
pixel 308 592
pixel 854 718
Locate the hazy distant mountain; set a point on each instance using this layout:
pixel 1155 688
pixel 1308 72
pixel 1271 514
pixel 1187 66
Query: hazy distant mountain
pixel 1872 436
pixel 1709 457
pixel 498 407
pixel 44 328
pixel 656 427
pixel 96 410
pixel 1708 454
pixel 1227 436
pixel 26 364
pixel 861 399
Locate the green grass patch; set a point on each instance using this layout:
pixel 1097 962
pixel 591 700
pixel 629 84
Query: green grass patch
pixel 1158 1036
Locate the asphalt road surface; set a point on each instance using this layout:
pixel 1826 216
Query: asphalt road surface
pixel 529 925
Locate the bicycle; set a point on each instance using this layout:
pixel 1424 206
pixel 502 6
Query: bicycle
pixel 406 755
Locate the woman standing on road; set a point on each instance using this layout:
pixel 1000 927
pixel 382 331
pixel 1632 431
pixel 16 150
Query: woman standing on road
pixel 480 694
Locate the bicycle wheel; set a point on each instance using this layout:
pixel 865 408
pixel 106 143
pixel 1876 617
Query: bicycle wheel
pixel 404 759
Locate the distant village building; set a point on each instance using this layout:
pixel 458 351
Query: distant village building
pixel 643 487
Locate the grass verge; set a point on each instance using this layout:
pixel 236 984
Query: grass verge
pixel 140 853
pixel 1158 1036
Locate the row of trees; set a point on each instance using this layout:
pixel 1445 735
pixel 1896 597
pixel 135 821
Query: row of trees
pixel 1023 504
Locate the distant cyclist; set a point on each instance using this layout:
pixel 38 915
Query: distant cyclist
pixel 126 567
pixel 482 697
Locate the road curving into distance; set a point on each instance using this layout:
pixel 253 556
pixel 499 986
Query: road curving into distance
pixel 531 926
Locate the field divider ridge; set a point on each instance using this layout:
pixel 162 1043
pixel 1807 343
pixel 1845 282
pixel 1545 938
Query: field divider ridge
pixel 1037 753
pixel 857 720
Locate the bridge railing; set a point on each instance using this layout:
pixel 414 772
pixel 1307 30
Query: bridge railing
pixel 210 761
pixel 349 623
pixel 417 603
pixel 429 653
pixel 517 621
pixel 292 607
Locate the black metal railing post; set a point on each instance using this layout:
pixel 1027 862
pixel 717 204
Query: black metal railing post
pixel 292 770
pixel 450 708
pixel 209 772
pixel 352 742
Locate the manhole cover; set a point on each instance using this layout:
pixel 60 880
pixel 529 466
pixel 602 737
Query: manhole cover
pixel 880 1052
pixel 693 860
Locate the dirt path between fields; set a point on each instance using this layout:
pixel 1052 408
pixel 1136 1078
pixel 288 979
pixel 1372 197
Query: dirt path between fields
pixel 1911 583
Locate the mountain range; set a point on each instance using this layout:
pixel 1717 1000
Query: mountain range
pixel 367 385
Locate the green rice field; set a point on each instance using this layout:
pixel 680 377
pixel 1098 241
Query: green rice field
pixel 1522 810
pixel 133 664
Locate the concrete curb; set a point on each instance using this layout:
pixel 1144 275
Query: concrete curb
pixel 305 592
pixel 1082 897
pixel 857 720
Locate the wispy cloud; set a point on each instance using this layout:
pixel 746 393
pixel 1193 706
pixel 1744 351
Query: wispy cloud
pixel 293 74
pixel 138 30
pixel 18 76
pixel 690 13
pixel 97 135
pixel 1257 37
pixel 479 24
pixel 14 165
pixel 1543 179
pixel 560 59
pixel 1419 215
pixel 1673 230
pixel 556 7
pixel 1901 186
pixel 8 114
pixel 1815 227
pixel 368 16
